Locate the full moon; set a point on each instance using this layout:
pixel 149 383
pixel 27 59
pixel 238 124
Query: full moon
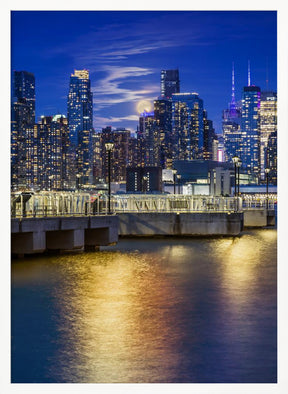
pixel 144 105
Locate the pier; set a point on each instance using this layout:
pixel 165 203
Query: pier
pixel 55 221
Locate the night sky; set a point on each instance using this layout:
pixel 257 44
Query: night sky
pixel 126 50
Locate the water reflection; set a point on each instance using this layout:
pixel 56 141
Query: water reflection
pixel 177 310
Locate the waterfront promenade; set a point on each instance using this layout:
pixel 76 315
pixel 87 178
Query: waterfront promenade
pixel 66 221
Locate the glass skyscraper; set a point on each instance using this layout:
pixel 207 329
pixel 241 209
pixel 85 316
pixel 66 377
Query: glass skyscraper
pixel 187 126
pixel 22 136
pixel 250 131
pixel 170 83
pixel 80 121
pixel 268 124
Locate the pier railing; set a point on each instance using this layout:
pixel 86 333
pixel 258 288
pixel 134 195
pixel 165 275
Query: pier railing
pixel 50 204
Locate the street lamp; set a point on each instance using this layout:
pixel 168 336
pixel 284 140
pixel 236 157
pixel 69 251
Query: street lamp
pixel 235 160
pixel 109 147
pixel 267 170
pixel 78 176
pixel 174 179
pixel 144 184
pixel 178 177
pixel 50 181
pixel 238 164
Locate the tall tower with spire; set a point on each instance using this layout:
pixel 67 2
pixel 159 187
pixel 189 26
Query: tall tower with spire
pixel 250 129
pixel 231 120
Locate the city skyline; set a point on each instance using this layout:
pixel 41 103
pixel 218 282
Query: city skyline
pixel 125 52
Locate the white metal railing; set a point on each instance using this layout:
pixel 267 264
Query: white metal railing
pixel 45 204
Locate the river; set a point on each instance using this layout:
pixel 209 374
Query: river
pixel 162 310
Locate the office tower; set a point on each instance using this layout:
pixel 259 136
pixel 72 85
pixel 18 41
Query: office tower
pixel 209 137
pixel 22 121
pixel 60 136
pixel 271 157
pixel 133 152
pixel 187 126
pixel 24 92
pixel 163 128
pixel 268 124
pixel 231 121
pixel 54 159
pixel 250 131
pixel 170 83
pixel 80 121
pixel 119 155
pixel 96 159
pixel 148 140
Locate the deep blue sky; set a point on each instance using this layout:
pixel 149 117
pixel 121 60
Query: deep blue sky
pixel 126 50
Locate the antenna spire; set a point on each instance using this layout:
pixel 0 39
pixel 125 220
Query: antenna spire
pixel 233 84
pixel 233 102
pixel 249 74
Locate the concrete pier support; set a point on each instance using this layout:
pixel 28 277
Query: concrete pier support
pixel 259 218
pixel 36 235
pixel 186 224
pixel 30 242
pixel 65 239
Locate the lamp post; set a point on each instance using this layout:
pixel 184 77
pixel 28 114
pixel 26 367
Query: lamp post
pixel 267 170
pixel 238 164
pixel 50 177
pixel 178 177
pixel 109 147
pixel 144 184
pixel 235 160
pixel 174 180
pixel 78 176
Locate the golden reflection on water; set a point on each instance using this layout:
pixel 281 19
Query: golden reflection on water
pixel 147 316
pixel 116 321
pixel 241 261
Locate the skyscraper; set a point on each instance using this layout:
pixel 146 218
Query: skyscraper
pixel 80 121
pixel 22 122
pixel 250 131
pixel 54 164
pixel 268 124
pixel 163 128
pixel 271 157
pixel 170 83
pixel 149 140
pixel 209 137
pixel 119 154
pixel 24 91
pixel 187 126
pixel 231 121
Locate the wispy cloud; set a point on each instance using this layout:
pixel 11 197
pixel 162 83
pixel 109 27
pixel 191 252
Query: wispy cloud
pixel 114 119
pixel 109 90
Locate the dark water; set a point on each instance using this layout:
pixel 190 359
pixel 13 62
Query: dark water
pixel 144 311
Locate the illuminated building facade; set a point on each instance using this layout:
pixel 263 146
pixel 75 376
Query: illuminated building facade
pixel 170 83
pixel 24 92
pixel 250 131
pixel 80 120
pixel 163 131
pixel 268 124
pixel 149 140
pixel 119 154
pixel 187 126
pixel 271 157
pixel 231 126
pixel 144 179
pixel 54 157
pixel 22 135
pixel 209 137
